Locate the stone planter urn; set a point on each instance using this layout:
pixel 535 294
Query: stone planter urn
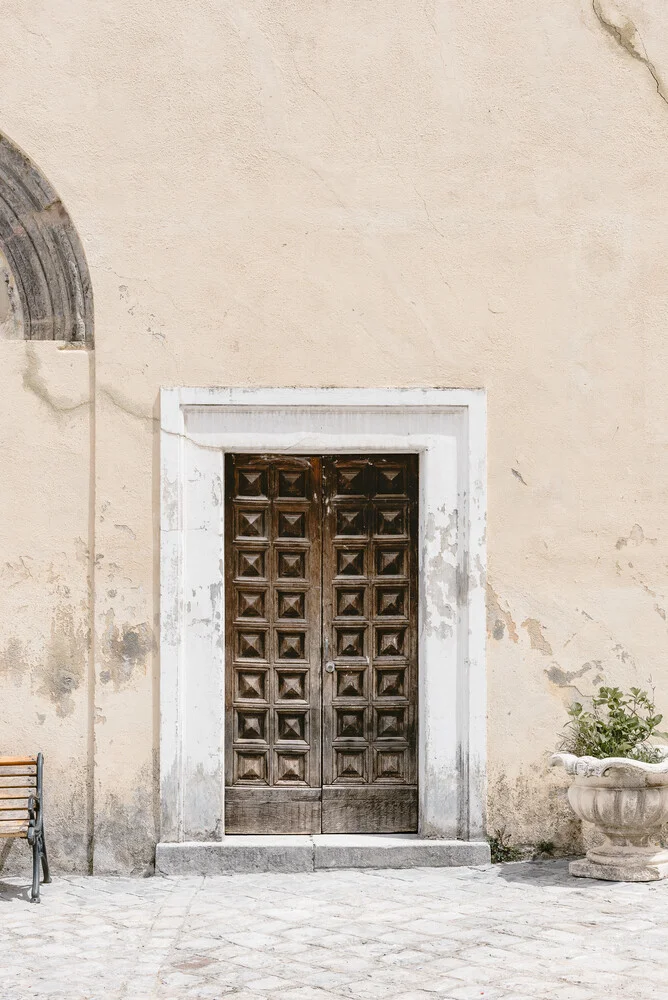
pixel 627 802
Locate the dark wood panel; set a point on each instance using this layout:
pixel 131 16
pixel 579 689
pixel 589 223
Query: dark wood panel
pixel 273 521
pixel 272 810
pixel 369 809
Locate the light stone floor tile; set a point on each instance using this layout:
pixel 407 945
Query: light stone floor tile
pixel 508 932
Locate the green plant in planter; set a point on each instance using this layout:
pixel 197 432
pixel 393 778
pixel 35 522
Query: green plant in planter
pixel 619 725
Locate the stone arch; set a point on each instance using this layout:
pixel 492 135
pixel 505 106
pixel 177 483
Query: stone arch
pixel 43 252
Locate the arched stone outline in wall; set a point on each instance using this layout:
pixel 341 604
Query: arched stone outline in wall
pixel 43 252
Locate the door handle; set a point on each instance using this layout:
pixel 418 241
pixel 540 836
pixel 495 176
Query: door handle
pixel 330 666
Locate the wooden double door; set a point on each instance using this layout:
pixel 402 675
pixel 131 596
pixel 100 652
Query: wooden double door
pixel 321 644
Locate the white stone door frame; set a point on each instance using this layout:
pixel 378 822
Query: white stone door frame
pixel 447 428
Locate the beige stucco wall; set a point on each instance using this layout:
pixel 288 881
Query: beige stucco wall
pixel 382 193
pixel 45 607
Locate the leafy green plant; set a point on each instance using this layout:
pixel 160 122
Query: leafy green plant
pixel 501 849
pixel 618 725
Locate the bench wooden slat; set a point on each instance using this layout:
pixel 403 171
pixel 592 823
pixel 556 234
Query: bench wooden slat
pixel 19 802
pixel 16 793
pixel 17 773
pixel 6 783
pixel 13 829
pixel 7 815
pixel 17 761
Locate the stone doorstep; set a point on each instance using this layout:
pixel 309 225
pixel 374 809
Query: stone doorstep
pixel 239 854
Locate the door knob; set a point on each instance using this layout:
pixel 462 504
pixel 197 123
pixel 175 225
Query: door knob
pixel 330 666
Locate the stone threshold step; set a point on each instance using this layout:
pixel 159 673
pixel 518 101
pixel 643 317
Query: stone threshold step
pixel 316 853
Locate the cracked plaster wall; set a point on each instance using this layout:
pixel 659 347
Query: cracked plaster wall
pixel 45 440
pixel 377 194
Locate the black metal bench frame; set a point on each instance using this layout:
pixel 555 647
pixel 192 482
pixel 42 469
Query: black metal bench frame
pixel 31 828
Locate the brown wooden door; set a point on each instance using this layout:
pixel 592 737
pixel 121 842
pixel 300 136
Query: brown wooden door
pixel 321 644
pixel 370 645
pixel 273 644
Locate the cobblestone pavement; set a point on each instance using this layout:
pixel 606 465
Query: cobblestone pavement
pixel 512 931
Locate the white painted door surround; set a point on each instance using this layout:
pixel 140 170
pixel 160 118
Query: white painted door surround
pixel 447 429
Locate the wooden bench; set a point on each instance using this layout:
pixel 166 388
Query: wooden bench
pixel 22 809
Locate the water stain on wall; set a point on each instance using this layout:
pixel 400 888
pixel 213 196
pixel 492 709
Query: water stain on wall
pixel 565 678
pixel 636 537
pixel 62 669
pixel 124 651
pixel 14 660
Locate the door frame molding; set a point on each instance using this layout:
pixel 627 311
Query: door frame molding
pixel 448 429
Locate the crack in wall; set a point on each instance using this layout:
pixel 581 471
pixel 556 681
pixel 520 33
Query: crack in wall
pixel 124 405
pixel 34 382
pixel 626 34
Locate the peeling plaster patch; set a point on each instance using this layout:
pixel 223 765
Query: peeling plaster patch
pixel 518 475
pixel 536 637
pixel 446 581
pixel 125 650
pixel 479 569
pixel 499 620
pixel 660 611
pixel 170 500
pixel 624 31
pixel 62 668
pixel 447 533
pixel 563 678
pixel 636 537
pixel 127 529
pixel 217 492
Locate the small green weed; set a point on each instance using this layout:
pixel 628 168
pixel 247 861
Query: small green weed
pixel 501 848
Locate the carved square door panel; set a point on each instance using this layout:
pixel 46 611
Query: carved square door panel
pixel 321 644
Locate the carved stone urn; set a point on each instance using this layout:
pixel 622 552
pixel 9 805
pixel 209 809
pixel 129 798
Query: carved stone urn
pixel 627 802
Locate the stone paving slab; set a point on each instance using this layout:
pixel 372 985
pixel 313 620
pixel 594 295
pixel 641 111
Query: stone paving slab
pixel 508 932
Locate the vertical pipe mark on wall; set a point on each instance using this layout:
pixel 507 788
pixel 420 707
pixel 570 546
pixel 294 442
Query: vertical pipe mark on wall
pixel 90 763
